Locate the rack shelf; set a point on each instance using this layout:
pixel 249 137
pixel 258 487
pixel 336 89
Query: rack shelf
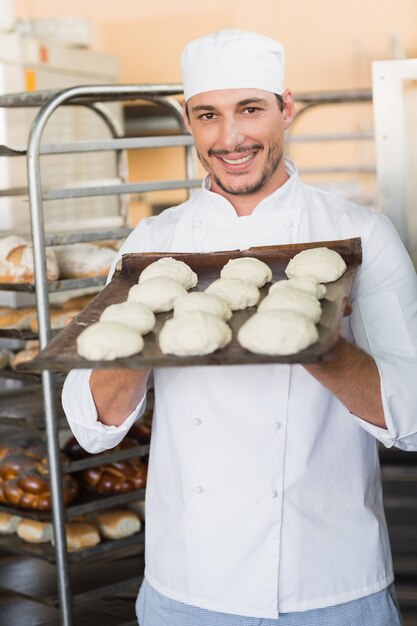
pixel 86 503
pixel 46 551
pixel 35 579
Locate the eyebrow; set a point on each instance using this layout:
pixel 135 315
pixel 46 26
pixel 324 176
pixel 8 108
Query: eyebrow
pixel 209 107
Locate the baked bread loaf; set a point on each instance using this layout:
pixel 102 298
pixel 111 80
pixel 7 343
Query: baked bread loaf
pixel 117 477
pixel 81 535
pixel 16 261
pixel 32 490
pixel 34 532
pixel 83 260
pixel 78 302
pixel 8 523
pixel 117 524
pixel 59 318
pixel 30 352
pixel 18 319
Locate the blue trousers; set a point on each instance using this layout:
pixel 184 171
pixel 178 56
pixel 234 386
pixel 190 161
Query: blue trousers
pixel 377 609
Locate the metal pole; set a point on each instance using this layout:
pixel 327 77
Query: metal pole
pixel 42 304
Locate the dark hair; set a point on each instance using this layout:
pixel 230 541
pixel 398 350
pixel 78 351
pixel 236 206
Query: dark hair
pixel 278 97
pixel 280 102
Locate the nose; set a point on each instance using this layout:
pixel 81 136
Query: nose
pixel 231 134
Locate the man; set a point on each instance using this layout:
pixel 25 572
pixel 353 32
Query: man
pixel 264 501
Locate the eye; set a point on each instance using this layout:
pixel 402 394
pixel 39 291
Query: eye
pixel 206 117
pixel 251 110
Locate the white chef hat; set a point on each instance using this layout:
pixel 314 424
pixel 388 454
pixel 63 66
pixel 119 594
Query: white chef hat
pixel 232 59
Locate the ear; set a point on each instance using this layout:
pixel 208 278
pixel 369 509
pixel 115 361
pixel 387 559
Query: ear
pixel 185 117
pixel 289 108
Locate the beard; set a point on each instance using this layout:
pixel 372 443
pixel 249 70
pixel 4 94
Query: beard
pixel 273 160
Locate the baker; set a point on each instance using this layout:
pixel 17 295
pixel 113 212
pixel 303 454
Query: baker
pixel 264 502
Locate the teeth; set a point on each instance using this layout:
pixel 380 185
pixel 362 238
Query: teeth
pixel 237 161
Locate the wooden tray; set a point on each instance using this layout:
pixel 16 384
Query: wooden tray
pixel 61 352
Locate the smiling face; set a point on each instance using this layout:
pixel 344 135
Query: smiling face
pixel 239 138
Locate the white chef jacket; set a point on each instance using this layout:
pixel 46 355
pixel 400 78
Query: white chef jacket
pixel 264 492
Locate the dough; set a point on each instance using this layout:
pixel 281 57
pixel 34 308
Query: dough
pixel 249 269
pixel 171 268
pixel 236 293
pixel 194 333
pixel 133 314
pixel 104 341
pixel 292 300
pixel 201 301
pixel 324 264
pixel 277 333
pixel 158 294
pixel 308 284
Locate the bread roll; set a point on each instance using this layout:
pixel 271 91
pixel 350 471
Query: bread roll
pixel 16 261
pixel 34 532
pixel 24 356
pixel 81 535
pixel 8 523
pixel 118 524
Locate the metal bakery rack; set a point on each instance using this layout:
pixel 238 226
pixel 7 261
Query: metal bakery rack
pixel 80 580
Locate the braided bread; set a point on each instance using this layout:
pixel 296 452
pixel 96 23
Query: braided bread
pixel 118 476
pixel 24 477
pixel 32 491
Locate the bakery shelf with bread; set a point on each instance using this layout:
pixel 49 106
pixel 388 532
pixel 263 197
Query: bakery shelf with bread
pixel 12 543
pixel 90 483
pixel 74 261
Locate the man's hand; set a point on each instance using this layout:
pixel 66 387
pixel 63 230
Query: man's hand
pixel 117 393
pixel 352 376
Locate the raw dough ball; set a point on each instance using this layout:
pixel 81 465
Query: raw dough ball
pixel 292 300
pixel 236 293
pixel 158 294
pixel 194 333
pixel 308 284
pixel 248 269
pixel 171 268
pixel 104 341
pixel 204 302
pixel 277 333
pixel 324 264
pixel 133 314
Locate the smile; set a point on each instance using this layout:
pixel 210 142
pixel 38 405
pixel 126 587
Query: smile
pixel 238 161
